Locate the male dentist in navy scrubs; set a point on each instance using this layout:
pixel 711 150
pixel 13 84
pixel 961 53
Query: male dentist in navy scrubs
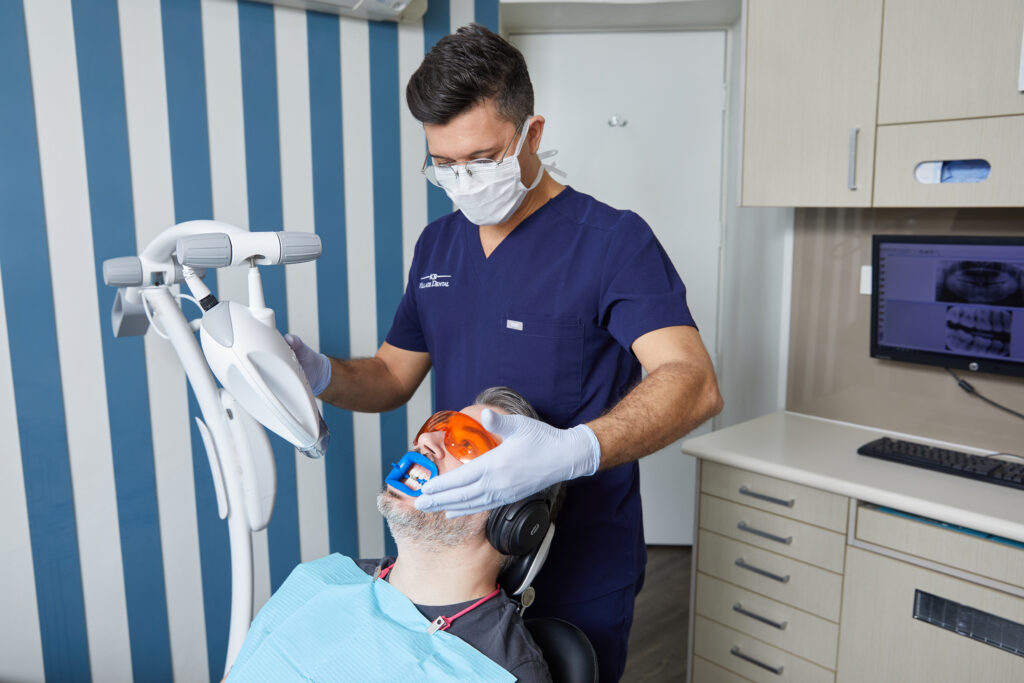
pixel 536 286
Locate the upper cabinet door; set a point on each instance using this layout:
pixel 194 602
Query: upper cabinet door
pixel 809 102
pixel 951 59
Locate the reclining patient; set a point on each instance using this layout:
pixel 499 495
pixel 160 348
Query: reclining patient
pixel 433 613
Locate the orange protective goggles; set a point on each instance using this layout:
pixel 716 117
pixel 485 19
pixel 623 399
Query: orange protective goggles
pixel 464 437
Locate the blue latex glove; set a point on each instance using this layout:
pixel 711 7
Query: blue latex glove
pixel 531 457
pixel 316 365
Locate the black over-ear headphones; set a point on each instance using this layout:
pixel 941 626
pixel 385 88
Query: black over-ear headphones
pixel 517 528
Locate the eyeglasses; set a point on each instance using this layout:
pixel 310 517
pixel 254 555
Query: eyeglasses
pixel 464 437
pixel 430 170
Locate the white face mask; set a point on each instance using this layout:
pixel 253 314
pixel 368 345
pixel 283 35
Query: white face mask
pixel 489 193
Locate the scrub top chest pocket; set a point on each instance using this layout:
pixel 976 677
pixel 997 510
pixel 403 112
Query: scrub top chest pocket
pixel 542 358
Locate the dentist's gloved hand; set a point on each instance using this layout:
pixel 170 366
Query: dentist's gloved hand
pixel 531 456
pixel 316 365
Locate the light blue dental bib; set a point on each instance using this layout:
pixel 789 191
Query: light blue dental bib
pixel 330 621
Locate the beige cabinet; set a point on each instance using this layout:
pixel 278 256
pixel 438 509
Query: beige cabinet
pixel 789 586
pixel 881 640
pixel 950 59
pixel 862 571
pixel 950 87
pixel 769 560
pixel 811 72
pixel 997 140
pixel 946 78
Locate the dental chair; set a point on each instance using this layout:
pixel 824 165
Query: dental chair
pixel 567 651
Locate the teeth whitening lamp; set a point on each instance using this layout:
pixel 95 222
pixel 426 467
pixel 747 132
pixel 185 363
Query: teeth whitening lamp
pixel 261 381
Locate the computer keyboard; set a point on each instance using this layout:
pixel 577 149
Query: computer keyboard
pixel 988 469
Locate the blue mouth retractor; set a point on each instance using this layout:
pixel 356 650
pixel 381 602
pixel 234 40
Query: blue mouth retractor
pixel 400 472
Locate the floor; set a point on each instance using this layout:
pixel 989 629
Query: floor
pixel 657 643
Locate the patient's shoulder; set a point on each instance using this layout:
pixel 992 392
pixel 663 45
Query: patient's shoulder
pixel 369 565
pixel 498 632
pixel 495 629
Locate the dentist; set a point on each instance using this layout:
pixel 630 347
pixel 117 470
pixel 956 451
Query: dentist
pixel 534 285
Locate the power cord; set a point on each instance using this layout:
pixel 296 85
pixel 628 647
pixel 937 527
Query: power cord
pixel 150 315
pixel 966 386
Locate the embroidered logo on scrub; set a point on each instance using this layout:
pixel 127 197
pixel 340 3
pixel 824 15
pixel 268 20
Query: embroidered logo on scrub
pixel 434 280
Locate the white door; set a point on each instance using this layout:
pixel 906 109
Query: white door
pixel 637 120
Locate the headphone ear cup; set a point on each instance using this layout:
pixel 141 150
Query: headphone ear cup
pixel 519 527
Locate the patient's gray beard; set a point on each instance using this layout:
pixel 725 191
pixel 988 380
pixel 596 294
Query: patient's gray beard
pixel 426 529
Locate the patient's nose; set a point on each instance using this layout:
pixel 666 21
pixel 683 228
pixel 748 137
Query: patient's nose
pixel 431 444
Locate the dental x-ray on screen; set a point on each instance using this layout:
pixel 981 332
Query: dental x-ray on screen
pixel 952 301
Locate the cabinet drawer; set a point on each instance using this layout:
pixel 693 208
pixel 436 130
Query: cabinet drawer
pixel 706 672
pixel 781 578
pixel 769 531
pixel 785 627
pixel 974 554
pixel 775 495
pixel 733 650
pixel 996 140
pixel 882 641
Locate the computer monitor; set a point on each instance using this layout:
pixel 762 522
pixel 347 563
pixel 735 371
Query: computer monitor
pixel 955 302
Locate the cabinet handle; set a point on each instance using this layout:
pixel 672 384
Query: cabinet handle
pixel 739 608
pixel 742 564
pixel 852 177
pixel 742 526
pixel 771 499
pixel 735 650
pixel 1020 72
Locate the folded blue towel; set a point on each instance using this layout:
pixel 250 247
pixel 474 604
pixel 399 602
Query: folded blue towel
pixel 965 171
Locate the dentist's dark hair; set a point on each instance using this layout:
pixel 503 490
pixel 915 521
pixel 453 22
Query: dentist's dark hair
pixel 466 68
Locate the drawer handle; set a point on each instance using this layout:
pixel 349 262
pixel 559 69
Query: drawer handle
pixel 735 651
pixel 852 173
pixel 739 608
pixel 771 499
pixel 742 526
pixel 742 564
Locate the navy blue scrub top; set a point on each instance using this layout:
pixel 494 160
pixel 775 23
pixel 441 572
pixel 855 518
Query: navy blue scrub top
pixel 551 313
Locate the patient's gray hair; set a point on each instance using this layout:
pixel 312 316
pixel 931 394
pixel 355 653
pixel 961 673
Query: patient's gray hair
pixel 508 399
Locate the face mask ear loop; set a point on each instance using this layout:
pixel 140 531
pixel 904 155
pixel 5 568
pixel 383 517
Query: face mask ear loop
pixel 536 181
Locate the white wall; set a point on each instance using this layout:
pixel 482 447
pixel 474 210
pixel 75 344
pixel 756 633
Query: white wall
pixel 757 247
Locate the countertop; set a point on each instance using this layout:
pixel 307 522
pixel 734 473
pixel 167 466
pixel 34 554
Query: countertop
pixel 822 454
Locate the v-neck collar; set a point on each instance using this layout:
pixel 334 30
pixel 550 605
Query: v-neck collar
pixel 484 265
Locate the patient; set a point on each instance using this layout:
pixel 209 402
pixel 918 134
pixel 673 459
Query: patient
pixel 445 568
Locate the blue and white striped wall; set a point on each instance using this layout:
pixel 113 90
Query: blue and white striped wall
pixel 117 120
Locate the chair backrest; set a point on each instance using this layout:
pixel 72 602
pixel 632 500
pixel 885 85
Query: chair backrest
pixel 569 655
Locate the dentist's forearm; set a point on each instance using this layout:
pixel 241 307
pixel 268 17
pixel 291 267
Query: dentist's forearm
pixel 378 384
pixel 672 401
pixel 365 385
